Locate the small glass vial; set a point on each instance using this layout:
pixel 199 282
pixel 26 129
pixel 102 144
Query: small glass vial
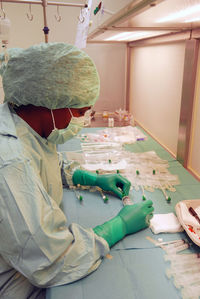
pixel 126 200
pixel 111 122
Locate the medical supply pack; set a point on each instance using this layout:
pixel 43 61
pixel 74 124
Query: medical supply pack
pixel 121 135
pixel 145 171
pixel 183 267
pixel 184 270
pixel 103 154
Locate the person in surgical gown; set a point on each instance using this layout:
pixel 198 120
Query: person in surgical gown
pixel 48 88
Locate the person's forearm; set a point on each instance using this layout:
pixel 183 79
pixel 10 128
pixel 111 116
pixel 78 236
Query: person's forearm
pixel 112 231
pixel 84 178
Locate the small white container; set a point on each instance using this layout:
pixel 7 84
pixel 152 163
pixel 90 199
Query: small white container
pixel 111 122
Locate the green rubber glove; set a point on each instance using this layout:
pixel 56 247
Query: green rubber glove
pixel 108 182
pixel 130 219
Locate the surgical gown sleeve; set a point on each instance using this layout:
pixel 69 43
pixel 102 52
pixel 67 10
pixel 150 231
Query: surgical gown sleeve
pixel 35 238
pixel 68 168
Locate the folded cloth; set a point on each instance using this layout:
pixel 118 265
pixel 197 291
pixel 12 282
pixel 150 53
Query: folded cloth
pixel 165 223
pixel 187 218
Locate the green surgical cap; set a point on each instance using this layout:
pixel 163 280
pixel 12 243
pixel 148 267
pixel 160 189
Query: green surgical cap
pixel 52 75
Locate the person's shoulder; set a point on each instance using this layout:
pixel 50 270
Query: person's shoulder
pixel 10 149
pixel 10 145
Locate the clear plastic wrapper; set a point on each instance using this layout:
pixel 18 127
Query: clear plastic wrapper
pixel 185 264
pixel 145 171
pixel 177 249
pixel 121 135
pixel 191 292
pixel 186 279
pixel 181 257
pixel 174 271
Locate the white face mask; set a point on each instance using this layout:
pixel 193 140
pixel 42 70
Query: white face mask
pixel 59 136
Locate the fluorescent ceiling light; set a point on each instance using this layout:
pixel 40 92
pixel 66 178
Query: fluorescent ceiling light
pixel 192 20
pixel 128 35
pixel 181 14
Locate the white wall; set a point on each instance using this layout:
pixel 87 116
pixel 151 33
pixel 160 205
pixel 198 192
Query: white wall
pixel 155 95
pixel 194 157
pixel 110 59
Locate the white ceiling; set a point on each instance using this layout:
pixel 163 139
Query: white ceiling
pixel 156 19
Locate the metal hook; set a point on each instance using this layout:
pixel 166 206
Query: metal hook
pixel 58 16
pixel 81 18
pixel 4 14
pixel 2 11
pixel 30 15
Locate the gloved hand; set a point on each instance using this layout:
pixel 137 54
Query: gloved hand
pixel 130 219
pixel 109 182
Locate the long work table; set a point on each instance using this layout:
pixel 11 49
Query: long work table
pixel 136 268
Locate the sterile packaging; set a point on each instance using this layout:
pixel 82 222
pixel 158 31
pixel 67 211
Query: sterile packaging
pixel 181 257
pixel 176 249
pixel 186 279
pixel 174 271
pixel 191 292
pixel 185 264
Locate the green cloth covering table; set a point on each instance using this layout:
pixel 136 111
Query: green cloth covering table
pixel 137 268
